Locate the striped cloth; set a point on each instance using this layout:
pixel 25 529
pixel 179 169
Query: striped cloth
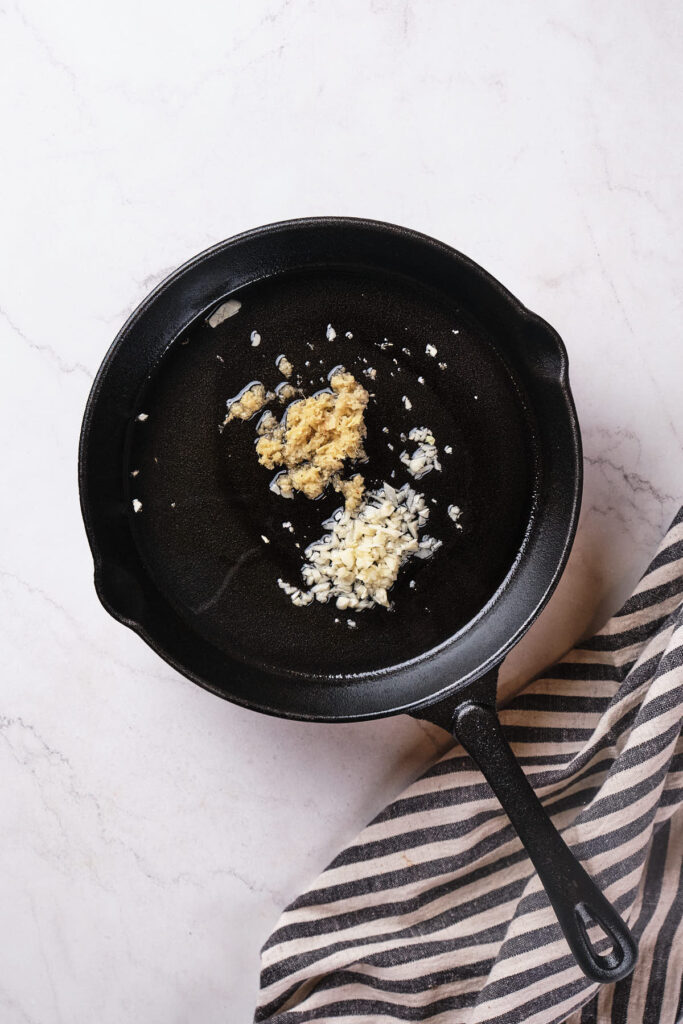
pixel 435 912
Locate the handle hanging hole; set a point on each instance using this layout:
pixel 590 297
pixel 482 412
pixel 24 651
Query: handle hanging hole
pixel 598 937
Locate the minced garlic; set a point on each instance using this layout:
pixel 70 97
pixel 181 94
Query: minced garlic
pixel 225 310
pixel 455 513
pixel 425 458
pixel 358 560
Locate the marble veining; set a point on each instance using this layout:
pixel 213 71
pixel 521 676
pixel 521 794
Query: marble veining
pixel 150 833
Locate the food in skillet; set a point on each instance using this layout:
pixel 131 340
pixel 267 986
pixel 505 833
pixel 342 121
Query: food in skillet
pixel 367 541
pixel 249 401
pixel 314 440
pixel 358 560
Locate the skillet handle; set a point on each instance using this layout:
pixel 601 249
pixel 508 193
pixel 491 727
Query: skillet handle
pixel 576 899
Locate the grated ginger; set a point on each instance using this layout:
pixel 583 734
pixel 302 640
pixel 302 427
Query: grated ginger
pixel 351 489
pixel 284 366
pixel 285 392
pixel 315 438
pixel 248 402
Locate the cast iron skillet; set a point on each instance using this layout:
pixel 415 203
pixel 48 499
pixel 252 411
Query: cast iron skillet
pixel 192 574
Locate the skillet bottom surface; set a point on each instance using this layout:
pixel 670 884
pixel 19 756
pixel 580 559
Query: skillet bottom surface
pixel 206 502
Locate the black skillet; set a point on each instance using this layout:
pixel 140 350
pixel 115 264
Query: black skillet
pixel 192 574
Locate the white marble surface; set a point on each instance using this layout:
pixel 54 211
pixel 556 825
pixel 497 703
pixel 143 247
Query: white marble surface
pixel 149 833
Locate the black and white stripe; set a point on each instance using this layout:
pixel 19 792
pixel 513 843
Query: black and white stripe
pixel 435 912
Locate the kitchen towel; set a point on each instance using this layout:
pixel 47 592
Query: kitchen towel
pixel 435 912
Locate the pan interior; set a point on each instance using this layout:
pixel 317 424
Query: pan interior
pixel 206 503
